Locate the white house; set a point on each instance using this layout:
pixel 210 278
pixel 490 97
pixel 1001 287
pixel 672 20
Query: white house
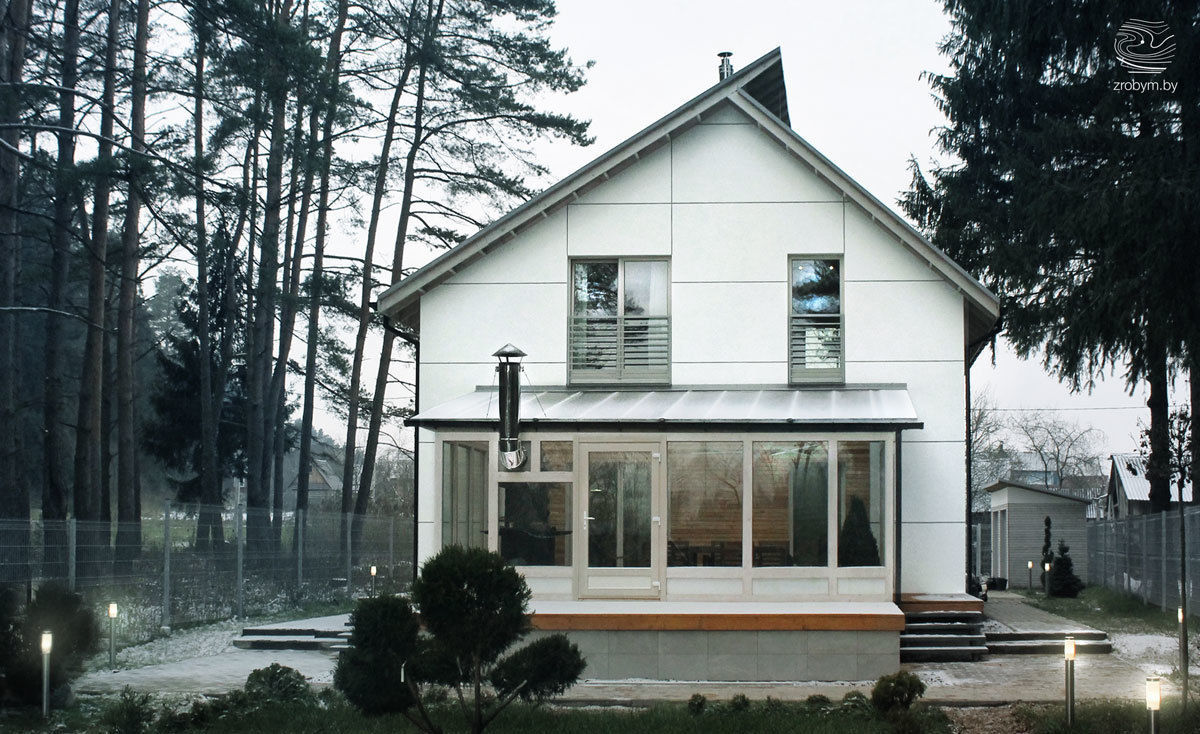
pixel 743 401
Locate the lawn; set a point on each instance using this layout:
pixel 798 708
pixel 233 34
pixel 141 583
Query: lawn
pixel 1111 611
pixel 1108 717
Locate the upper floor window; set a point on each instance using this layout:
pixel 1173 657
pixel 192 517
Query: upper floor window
pixel 815 344
pixel 620 328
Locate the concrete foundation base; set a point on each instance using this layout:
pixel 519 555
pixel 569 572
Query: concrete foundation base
pixel 776 655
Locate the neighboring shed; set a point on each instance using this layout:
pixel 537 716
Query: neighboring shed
pixel 1019 513
pixel 1129 489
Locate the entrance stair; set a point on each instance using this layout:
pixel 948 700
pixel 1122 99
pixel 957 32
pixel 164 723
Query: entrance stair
pixel 942 636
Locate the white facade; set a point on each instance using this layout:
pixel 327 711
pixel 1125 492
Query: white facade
pixel 728 206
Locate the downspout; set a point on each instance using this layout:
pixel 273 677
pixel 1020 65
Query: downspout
pixel 899 525
pixel 974 349
pixel 413 340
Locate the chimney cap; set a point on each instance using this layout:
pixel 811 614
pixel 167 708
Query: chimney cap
pixel 726 68
pixel 508 351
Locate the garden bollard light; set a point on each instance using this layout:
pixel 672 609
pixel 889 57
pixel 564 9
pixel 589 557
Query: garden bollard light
pixel 1069 656
pixel 112 634
pixel 1153 701
pixel 373 571
pixel 47 643
pixel 1029 565
pixel 1046 585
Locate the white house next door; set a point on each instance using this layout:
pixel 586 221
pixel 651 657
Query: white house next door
pixel 621 521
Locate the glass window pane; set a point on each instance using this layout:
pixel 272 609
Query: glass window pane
pixel 535 523
pixel 595 288
pixel 815 287
pixel 618 509
pixel 860 503
pixel 526 448
pixel 646 288
pixel 790 523
pixel 704 516
pixel 464 493
pixel 557 456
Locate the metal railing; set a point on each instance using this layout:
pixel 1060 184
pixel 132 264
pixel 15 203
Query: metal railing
pixel 815 347
pixel 192 564
pixel 620 349
pixel 1139 555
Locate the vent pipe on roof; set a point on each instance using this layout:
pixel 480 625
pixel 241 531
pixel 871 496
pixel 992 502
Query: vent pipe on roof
pixel 726 69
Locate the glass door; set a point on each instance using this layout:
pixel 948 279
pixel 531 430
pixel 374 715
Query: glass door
pixel 622 527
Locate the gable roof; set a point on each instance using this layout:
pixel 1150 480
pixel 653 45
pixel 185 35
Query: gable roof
pixel 758 90
pixel 1052 491
pixel 1129 470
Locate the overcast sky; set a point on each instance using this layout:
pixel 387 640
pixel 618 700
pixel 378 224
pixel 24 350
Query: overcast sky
pixel 855 91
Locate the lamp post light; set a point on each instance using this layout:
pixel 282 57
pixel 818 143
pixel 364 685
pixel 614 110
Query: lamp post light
pixel 1069 656
pixel 1046 582
pixel 112 634
pixel 373 572
pixel 1183 653
pixel 47 644
pixel 1153 701
pixel 1029 565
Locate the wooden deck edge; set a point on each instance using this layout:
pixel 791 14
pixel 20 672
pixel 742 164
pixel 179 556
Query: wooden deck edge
pixel 940 603
pixel 720 622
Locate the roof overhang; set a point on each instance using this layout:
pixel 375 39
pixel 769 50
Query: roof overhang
pixel 868 408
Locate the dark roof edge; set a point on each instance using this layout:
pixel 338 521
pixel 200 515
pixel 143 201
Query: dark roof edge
pixel 662 424
pixel 1006 483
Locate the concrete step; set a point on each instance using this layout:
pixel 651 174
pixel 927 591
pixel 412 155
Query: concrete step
pixel 964 654
pixel 943 627
pixel 292 632
pixel 278 642
pixel 1047 647
pixel 1057 636
pixel 944 616
pixel 907 640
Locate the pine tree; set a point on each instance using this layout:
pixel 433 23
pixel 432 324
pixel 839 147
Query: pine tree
pixel 1047 551
pixel 1063 581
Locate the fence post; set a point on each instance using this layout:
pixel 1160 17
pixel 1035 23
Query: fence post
pixel 71 544
pixel 166 598
pixel 391 547
pixel 241 557
pixel 349 546
pixel 1145 587
pixel 299 549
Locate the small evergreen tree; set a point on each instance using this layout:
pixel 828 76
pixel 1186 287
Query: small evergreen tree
pixel 1063 581
pixel 1047 553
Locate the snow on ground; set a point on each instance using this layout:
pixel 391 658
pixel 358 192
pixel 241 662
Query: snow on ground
pixel 205 641
pixel 1155 653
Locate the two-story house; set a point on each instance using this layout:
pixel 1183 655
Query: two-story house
pixel 743 408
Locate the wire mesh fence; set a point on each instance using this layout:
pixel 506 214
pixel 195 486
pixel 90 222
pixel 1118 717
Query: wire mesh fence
pixel 1139 555
pixel 192 564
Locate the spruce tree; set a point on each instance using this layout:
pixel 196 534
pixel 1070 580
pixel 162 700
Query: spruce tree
pixel 1047 551
pixel 1063 581
pixel 856 543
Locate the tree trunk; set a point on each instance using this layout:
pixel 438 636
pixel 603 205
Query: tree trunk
pixel 364 305
pixel 129 505
pixel 1194 432
pixel 209 534
pixel 1157 469
pixel 333 62
pixel 88 426
pixel 55 489
pixel 363 500
pixel 258 524
pixel 14 503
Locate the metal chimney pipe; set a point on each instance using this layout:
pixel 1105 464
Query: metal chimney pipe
pixel 726 69
pixel 510 403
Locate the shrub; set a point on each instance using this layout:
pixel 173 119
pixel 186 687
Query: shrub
pixel 896 692
pixel 131 713
pixel 818 701
pixel 739 703
pixel 71 622
pixel 696 704
pixel 474 607
pixel 1063 581
pixel 856 702
pixel 278 684
pixel 774 706
pixel 372 672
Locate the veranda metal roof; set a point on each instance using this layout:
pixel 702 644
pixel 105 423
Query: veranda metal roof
pixel 874 406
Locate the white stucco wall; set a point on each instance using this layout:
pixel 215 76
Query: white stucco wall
pixel 728 205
